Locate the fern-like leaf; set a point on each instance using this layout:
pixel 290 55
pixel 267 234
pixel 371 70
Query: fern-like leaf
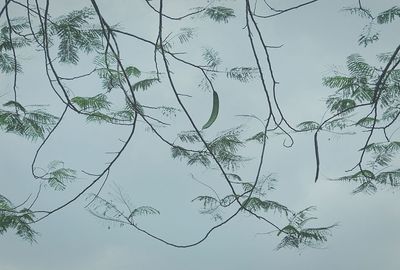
pixel 220 14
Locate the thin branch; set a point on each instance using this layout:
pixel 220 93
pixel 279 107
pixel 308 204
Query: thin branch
pixel 281 11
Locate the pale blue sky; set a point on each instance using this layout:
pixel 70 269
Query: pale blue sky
pixel 315 39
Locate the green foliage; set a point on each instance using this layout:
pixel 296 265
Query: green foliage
pixel 358 68
pixel 341 82
pixel 57 176
pixel 382 153
pixel 7 64
pixel 116 78
pixel 370 34
pixel 133 71
pixel 338 123
pixel 32 124
pixel 99 118
pixel 385 57
pixel 168 111
pixel 366 122
pixel 259 137
pixel 18 25
pixel 211 57
pixel 342 105
pixel 110 77
pixel 186 34
pixel 119 209
pixel 363 13
pixel 352 89
pixel 359 88
pixel 298 235
pixel 143 211
pixel 255 204
pixel 220 13
pixel 308 126
pixel 76 34
pixel 95 103
pixel 391 178
pixel 190 136
pixel 224 147
pixel 388 16
pixel 144 84
pixel 368 182
pixel 208 202
pixel 242 74
pixel 17 220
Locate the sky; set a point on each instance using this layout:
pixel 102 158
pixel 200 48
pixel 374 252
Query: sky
pixel 315 39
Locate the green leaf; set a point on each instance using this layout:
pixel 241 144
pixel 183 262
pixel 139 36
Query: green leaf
pixel 211 57
pixel 75 34
pixel 289 229
pixel 18 220
pixel 366 187
pixel 214 112
pixel 95 103
pixel 367 174
pixel 18 25
pixel 186 34
pixel 256 204
pixel 342 105
pixel 7 64
pixel 30 124
pixel 308 126
pixel 220 14
pixel 227 200
pixel 16 105
pixel 368 38
pixel 234 177
pixel 99 117
pixel 58 175
pixel 389 15
pixel 358 67
pixel 190 136
pixel 208 201
pixel 247 186
pixel 242 74
pixel 144 84
pixel 341 82
pixel 201 158
pixel 362 12
pixel 133 71
pixel 144 211
pixel 361 176
pixel 366 121
pixel 391 178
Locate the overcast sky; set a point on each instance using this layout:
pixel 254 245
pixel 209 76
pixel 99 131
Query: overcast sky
pixel 315 39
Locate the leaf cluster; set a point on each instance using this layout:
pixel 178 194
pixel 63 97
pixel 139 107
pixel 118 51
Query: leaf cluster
pixel 119 209
pixel 32 124
pixel 370 34
pixel 58 176
pixel 17 220
pixel 298 234
pixel 76 34
pixel 224 148
pixel 220 13
pixel 8 63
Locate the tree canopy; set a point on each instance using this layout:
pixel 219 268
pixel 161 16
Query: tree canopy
pixel 119 78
